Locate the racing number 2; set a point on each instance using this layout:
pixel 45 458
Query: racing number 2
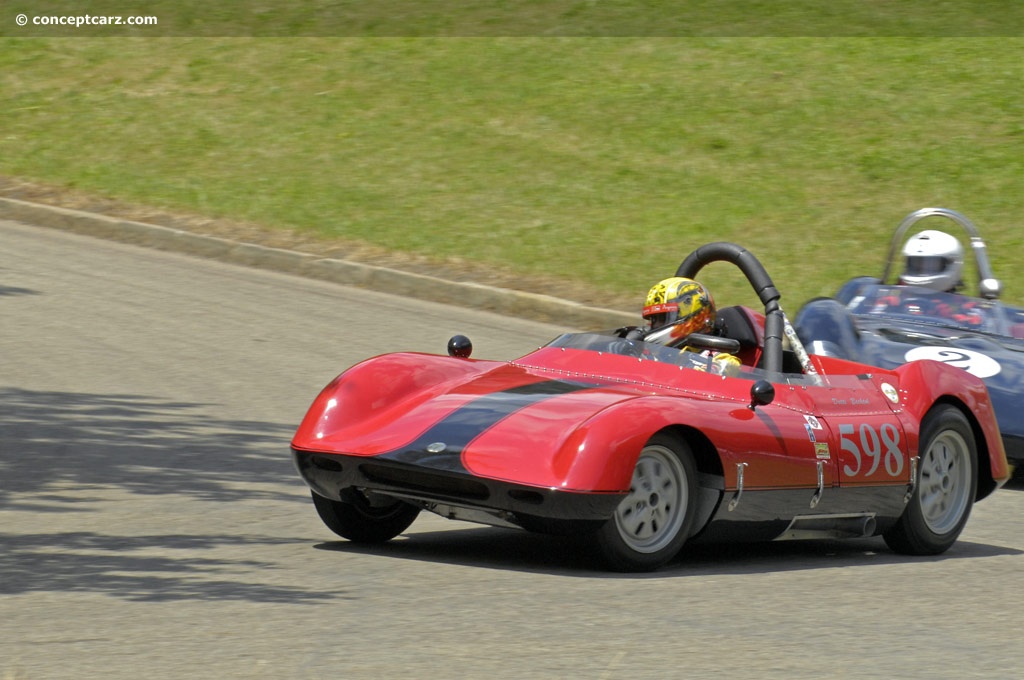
pixel 871 445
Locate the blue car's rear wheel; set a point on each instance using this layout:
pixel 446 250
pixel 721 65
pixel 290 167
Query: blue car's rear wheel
pixel 653 521
pixel 946 485
pixel 372 519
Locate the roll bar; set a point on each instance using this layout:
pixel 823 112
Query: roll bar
pixel 774 318
pixel 989 287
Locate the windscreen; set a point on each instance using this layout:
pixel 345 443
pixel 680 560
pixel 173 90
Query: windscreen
pixel 923 305
pixel 645 351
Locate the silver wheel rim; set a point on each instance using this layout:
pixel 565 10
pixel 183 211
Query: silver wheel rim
pixel 651 515
pixel 945 482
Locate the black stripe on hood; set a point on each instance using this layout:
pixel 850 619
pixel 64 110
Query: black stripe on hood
pixel 463 425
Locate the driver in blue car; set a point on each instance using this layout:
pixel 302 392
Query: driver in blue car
pixel 934 260
pixel 677 308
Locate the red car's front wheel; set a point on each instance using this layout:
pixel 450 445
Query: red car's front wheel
pixel 373 519
pixel 653 521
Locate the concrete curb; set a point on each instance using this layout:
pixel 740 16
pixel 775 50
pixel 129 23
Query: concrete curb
pixel 477 296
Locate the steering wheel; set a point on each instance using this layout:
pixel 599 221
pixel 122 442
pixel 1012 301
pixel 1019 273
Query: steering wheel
pixel 712 342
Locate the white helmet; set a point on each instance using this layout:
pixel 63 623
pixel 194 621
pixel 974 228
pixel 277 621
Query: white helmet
pixel 934 259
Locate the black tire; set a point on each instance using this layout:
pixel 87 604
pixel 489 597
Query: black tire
pixel 363 521
pixel 654 520
pixel 947 479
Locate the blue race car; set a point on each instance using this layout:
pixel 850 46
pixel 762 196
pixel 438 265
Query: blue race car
pixel 926 313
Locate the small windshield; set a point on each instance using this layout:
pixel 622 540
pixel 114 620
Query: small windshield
pixel 610 344
pixel 646 351
pixel 924 305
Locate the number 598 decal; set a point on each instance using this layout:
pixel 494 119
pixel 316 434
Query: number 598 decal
pixel 868 447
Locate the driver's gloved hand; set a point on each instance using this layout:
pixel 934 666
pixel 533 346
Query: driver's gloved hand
pixel 631 332
pixel 636 334
pixel 627 348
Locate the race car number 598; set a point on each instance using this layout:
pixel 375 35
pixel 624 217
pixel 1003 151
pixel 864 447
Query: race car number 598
pixel 871 445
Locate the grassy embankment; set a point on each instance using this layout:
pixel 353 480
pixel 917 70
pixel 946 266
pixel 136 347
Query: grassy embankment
pixel 600 161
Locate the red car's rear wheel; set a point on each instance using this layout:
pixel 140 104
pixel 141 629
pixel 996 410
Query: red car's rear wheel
pixel 946 484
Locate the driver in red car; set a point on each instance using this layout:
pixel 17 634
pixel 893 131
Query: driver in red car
pixel 678 307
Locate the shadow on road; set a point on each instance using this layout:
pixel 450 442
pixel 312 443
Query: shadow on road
pixel 508 549
pixel 13 290
pixel 143 444
pixel 63 452
pixel 146 569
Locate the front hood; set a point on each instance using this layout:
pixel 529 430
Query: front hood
pixel 565 418
pixel 491 423
pixel 437 432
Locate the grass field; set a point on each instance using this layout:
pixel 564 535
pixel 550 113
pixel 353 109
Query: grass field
pixel 596 160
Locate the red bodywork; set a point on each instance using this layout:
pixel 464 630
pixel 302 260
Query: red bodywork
pixel 840 430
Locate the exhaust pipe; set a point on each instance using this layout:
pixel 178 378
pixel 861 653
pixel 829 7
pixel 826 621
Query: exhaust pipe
pixel 829 526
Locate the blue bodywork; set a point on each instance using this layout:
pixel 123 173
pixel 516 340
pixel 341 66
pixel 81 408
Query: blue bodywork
pixel 889 325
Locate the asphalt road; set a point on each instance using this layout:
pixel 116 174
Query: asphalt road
pixel 152 526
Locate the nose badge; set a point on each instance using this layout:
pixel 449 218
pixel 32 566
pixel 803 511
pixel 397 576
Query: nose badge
pixel 436 447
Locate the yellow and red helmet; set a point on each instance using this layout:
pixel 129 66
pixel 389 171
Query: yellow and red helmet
pixel 682 302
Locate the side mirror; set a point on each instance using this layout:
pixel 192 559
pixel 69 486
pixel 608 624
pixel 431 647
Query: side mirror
pixel 460 346
pixel 762 393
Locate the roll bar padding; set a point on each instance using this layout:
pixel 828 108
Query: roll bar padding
pixel 774 319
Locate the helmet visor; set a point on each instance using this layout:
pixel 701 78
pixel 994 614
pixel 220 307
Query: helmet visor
pixel 661 314
pixel 927 265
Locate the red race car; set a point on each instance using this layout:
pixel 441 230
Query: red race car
pixel 643 446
